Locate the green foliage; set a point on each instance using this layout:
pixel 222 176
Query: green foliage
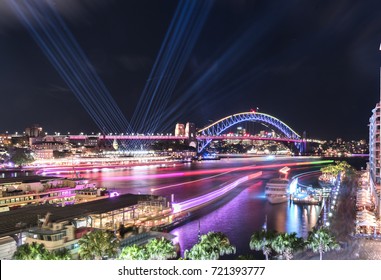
pixel 160 249
pixel 320 240
pixel 37 251
pixel 133 252
pixel 155 249
pixel 335 169
pixel 285 244
pixel 98 245
pixel 20 156
pixel 211 247
pixel 33 251
pixel 261 241
pixel 63 254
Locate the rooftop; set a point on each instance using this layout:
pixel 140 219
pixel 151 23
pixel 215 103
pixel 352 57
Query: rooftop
pixel 28 179
pixel 12 221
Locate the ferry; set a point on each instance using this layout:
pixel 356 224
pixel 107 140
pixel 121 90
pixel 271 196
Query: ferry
pixel 277 190
pixel 92 193
pixel 55 191
pixel 177 221
pixel 68 191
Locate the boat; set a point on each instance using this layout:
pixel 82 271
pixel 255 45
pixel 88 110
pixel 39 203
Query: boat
pixel 305 198
pixel 38 190
pixel 277 190
pixel 93 193
pixel 176 222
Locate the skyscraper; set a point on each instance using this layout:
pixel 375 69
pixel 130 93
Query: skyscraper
pixel 374 155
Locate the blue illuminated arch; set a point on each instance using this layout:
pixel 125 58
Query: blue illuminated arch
pixel 221 125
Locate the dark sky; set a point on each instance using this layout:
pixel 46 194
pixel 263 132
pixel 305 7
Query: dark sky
pixel 313 64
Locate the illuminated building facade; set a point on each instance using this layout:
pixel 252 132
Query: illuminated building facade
pixel 374 156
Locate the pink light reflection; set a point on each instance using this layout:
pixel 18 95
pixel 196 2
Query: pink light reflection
pixel 197 201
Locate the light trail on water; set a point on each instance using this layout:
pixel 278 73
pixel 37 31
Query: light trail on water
pixel 200 200
pixel 194 181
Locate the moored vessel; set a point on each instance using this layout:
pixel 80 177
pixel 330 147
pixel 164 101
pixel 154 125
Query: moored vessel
pixel 277 190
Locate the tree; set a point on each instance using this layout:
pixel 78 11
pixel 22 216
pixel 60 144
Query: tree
pixel 98 245
pixel 210 247
pixel 33 251
pixel 60 255
pixel 133 252
pixel 261 241
pixel 20 156
pixel 160 249
pixel 286 243
pixel 320 240
pixel 155 249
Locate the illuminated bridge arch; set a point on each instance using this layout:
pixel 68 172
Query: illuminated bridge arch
pixel 221 125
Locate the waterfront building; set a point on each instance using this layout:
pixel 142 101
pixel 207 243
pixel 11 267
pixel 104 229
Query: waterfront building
pixel 43 154
pixel 374 156
pixel 5 140
pixel 20 141
pixel 44 147
pixel 142 211
pixel 57 236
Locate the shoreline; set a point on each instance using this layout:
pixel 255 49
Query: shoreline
pixel 343 227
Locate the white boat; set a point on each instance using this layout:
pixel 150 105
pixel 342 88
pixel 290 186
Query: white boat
pixel 277 190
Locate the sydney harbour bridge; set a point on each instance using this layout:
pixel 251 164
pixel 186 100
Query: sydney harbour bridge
pixel 200 138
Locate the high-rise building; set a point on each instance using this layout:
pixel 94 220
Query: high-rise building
pixel 374 157
pixel 33 131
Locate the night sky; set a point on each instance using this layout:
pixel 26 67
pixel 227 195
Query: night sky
pixel 312 64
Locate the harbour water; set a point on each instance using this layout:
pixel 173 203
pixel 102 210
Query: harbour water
pixel 237 214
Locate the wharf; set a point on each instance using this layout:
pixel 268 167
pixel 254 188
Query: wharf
pixel 27 216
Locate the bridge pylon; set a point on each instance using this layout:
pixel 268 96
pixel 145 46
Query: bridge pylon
pixel 190 132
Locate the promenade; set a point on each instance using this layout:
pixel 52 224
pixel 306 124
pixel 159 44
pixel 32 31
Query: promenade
pixel 343 227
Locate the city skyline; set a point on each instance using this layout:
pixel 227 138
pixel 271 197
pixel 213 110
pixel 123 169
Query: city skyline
pixel 314 66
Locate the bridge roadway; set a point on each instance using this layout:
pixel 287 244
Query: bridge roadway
pixel 171 137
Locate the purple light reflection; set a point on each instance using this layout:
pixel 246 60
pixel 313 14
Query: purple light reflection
pixel 197 201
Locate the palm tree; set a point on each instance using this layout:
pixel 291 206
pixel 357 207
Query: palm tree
pixel 261 241
pixel 210 247
pixel 200 251
pixel 320 240
pixel 286 243
pixel 160 249
pixel 33 251
pixel 98 245
pixel 133 252
pixel 61 255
